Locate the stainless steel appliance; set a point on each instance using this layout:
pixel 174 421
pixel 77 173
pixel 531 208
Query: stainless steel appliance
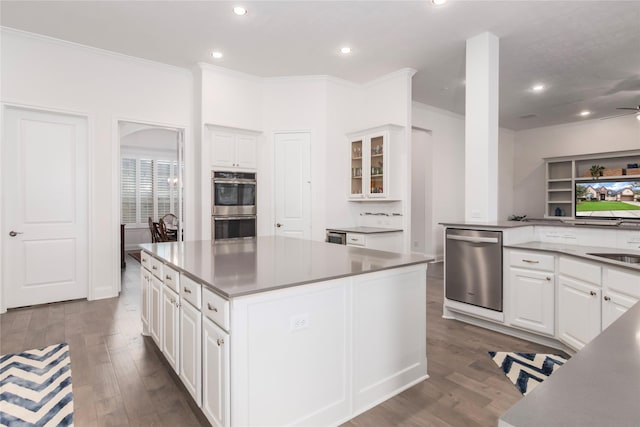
pixel 338 237
pixel 234 227
pixel 234 205
pixel 234 193
pixel 473 267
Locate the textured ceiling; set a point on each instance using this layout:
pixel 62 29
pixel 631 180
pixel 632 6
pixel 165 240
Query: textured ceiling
pixel 586 52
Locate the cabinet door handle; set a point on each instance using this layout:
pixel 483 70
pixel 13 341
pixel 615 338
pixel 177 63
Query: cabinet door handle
pixel 531 261
pixel 548 278
pixel 187 290
pixel 593 293
pixel 144 260
pixel 168 277
pixel 212 308
pixel 219 341
pixel 606 298
pixel 153 267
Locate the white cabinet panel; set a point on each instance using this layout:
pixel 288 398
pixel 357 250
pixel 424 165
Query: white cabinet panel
pixel 191 350
pixel 585 271
pixel 215 374
pixel 246 151
pixel 155 312
pixel 170 327
pixel 145 284
pixel 532 260
pixel 532 300
pixel 579 312
pixel 223 150
pixel 215 308
pixel 615 305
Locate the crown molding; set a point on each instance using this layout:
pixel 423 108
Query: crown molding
pixel 403 72
pixel 95 50
pixel 203 66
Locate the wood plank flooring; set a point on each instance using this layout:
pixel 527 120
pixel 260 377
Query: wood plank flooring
pixel 120 378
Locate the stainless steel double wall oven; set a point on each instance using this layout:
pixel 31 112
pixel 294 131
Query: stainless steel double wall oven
pixel 234 205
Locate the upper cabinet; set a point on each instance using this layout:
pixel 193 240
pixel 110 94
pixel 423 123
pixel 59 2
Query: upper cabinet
pixel 230 149
pixel 373 176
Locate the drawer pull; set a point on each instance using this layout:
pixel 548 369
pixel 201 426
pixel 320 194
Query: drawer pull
pixel 219 341
pixel 169 277
pixel 154 267
pixel 606 298
pixel 187 290
pixel 144 260
pixel 531 261
pixel 548 278
pixel 212 308
pixel 593 293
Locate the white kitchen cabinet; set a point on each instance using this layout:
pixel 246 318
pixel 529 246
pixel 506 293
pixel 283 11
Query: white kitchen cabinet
pixel 531 290
pixel 191 350
pixel 215 374
pixel 145 284
pixel 375 156
pixel 532 300
pixel 230 150
pixel 155 312
pixel 390 241
pixel 171 327
pixel 579 312
pixel 621 290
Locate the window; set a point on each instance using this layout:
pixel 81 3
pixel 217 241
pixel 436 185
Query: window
pixel 148 188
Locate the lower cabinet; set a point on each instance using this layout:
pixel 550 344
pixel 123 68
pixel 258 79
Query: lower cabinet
pixel 191 350
pixel 215 374
pixel 532 300
pixel 615 305
pixel 145 284
pixel 579 312
pixel 171 327
pixel 155 311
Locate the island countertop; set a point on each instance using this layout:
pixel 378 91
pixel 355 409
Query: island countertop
pixel 243 267
pixel 599 386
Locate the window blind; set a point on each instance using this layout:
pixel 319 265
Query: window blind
pixel 145 189
pixel 128 211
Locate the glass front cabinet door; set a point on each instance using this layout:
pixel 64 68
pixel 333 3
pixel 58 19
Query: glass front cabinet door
pixel 369 155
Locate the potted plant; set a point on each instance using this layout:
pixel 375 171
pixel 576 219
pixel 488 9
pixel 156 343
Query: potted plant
pixel 596 171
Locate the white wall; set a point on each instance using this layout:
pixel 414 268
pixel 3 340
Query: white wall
pixel 421 191
pixel 52 74
pixel 532 146
pixel 447 170
pixel 506 142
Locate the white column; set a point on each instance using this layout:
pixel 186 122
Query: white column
pixel 481 129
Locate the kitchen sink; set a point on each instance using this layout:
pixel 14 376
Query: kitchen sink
pixel 629 258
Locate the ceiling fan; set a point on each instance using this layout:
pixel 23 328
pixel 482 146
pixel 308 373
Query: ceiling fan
pixel 635 110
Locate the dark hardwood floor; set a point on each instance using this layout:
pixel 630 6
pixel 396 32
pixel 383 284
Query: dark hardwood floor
pixel 119 378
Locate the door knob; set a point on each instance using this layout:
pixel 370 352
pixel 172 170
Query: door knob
pixel 278 225
pixel 14 233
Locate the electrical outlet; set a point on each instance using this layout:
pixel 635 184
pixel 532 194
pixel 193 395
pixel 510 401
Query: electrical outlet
pixel 299 321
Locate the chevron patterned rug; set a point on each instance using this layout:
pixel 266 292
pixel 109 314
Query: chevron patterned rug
pixel 527 370
pixel 35 388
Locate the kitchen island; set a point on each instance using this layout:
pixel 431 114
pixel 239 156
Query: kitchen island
pixel 281 331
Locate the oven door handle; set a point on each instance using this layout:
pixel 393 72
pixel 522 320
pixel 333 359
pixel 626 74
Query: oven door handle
pixel 234 181
pixel 226 218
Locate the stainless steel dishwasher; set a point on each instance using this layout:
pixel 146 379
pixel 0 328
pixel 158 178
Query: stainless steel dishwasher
pixel 473 267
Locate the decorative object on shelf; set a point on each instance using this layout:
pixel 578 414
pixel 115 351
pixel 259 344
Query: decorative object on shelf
pixel 613 172
pixel 558 212
pixel 517 218
pixel 633 169
pixel 596 171
pixel 527 370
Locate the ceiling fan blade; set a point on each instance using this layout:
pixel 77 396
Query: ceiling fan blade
pixel 618 115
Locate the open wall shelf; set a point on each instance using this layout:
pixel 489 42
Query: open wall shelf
pixel 562 173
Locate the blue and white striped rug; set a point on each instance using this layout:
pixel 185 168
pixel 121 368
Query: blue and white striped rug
pixel 527 370
pixel 35 388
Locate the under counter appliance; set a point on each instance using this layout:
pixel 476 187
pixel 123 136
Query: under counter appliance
pixel 234 205
pixel 338 237
pixel 473 267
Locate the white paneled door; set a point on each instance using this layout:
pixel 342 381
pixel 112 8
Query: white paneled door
pixel 45 217
pixel 293 185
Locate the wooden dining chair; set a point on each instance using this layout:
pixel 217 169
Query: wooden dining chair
pixel 152 229
pixel 162 231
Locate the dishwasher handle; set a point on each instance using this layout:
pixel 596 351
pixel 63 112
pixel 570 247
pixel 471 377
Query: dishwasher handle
pixel 473 239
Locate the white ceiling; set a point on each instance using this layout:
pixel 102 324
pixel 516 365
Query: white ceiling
pixel 586 52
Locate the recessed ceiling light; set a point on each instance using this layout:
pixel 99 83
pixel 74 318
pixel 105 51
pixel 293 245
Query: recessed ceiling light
pixel 345 50
pixel 239 10
pixel 537 88
pixel 438 2
pixel 585 113
pixel 216 54
pixel 638 116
